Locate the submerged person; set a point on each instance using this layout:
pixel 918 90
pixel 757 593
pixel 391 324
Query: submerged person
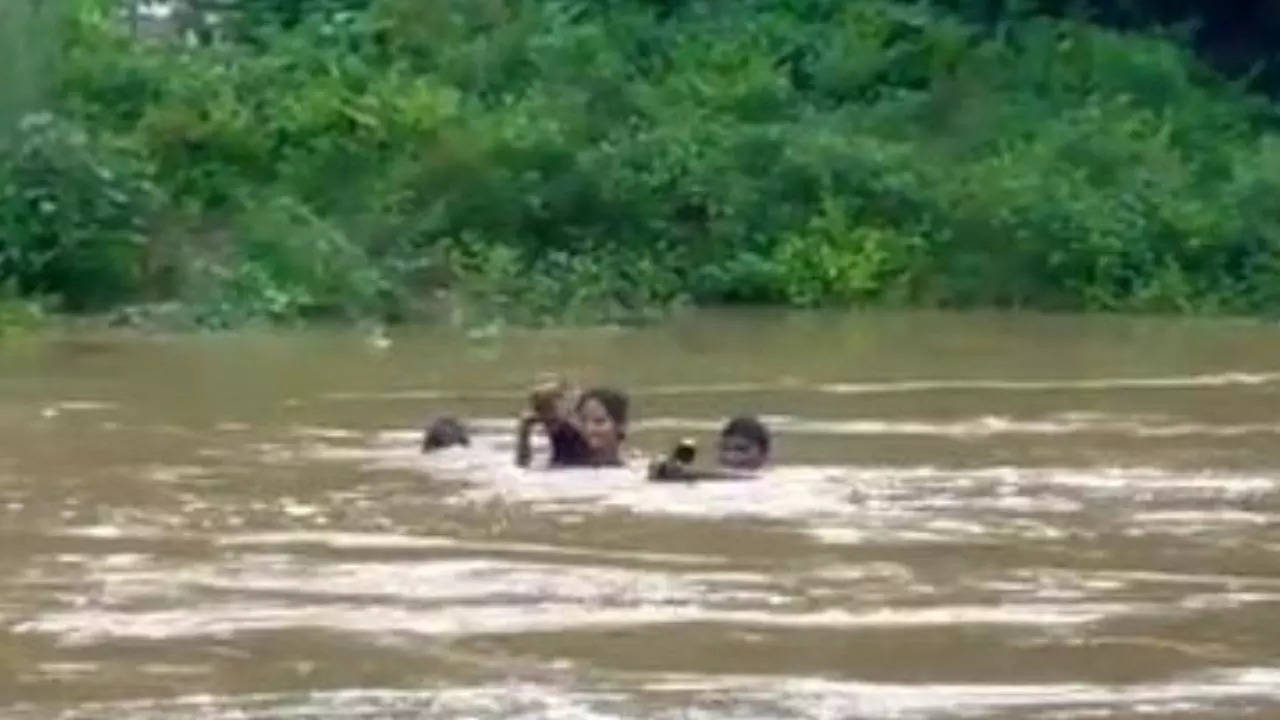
pixel 443 432
pixel 743 451
pixel 552 405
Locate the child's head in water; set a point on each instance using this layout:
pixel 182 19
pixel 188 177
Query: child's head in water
pixel 550 401
pixel 445 432
pixel 744 444
pixel 602 414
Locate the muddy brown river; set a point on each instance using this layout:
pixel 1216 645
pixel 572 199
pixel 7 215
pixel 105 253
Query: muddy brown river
pixel 968 516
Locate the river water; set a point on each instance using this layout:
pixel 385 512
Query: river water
pixel 969 516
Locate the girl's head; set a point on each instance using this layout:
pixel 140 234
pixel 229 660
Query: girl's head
pixel 744 444
pixel 602 412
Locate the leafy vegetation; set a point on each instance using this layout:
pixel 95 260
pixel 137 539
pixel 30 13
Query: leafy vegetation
pixel 545 161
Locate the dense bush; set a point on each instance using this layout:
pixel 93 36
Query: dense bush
pixel 72 215
pixel 1237 38
pixel 545 161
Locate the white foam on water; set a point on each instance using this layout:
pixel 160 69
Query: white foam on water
pixel 703 697
pixel 326 433
pixel 256 593
pixel 1206 518
pixel 85 405
pixel 816 495
pixel 109 532
pixel 811 494
pixel 336 540
pixel 391 541
pixel 850 504
pixel 437 581
pixel 1151 576
pixel 832 699
pixel 225 620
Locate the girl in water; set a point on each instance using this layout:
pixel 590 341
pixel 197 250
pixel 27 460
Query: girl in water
pixel 583 430
pixel 602 417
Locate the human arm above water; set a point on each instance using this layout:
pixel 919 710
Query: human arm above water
pixel 668 470
pixel 552 406
pixel 524 439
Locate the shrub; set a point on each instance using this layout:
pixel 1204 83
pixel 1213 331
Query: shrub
pixel 73 212
pixel 599 161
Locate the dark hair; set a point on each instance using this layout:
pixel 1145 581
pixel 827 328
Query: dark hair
pixel 615 402
pixel 444 432
pixel 748 427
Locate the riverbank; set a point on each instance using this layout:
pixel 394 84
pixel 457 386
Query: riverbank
pixel 539 164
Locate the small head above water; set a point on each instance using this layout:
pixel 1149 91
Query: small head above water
pixel 551 401
pixel 445 432
pixel 602 414
pixel 744 444
pixel 685 452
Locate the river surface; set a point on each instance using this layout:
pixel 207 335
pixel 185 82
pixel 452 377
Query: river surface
pixel 969 516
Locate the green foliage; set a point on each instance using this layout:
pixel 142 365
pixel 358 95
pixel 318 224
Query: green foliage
pixel 25 26
pixel 72 215
pixel 1237 38
pixel 17 313
pixel 547 161
pixel 835 260
pixel 286 264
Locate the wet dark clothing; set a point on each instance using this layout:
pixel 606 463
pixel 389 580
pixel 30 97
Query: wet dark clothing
pixel 568 447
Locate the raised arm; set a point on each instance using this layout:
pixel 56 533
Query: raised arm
pixel 524 440
pixel 668 470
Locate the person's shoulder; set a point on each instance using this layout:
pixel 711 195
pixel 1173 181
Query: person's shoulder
pixel 667 471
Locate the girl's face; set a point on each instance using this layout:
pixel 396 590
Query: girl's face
pixel 740 453
pixel 602 434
